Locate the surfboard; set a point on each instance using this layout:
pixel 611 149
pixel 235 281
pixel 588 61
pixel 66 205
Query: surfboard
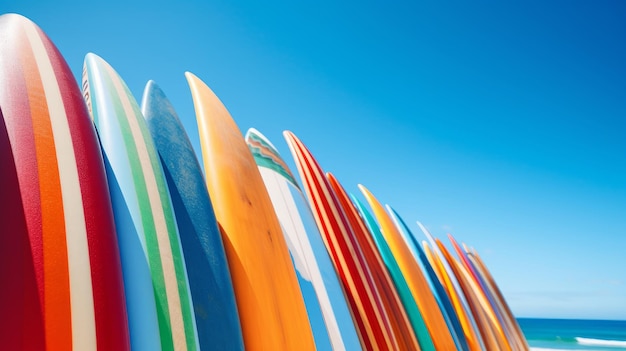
pixel 488 290
pixel 146 221
pixel 399 319
pixel 452 286
pixel 477 304
pixel 364 300
pixel 305 243
pixel 212 292
pixel 485 297
pixel 426 302
pixel 450 316
pixel 60 270
pixel 271 308
pixel 465 317
pixel 514 325
pixel 415 316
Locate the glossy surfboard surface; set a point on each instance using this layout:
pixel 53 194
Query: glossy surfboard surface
pixel 485 321
pixel 426 302
pixel 478 272
pixel 145 219
pixel 398 316
pixel 415 316
pixel 520 340
pixel 60 270
pixel 212 292
pixel 484 296
pixel 438 291
pixel 364 300
pixel 305 243
pixel 465 317
pixel 265 283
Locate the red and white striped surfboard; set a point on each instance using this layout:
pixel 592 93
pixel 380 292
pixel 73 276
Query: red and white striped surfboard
pixel 392 303
pixel 59 263
pixel 364 299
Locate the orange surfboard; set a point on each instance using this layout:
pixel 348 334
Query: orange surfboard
pixel 270 304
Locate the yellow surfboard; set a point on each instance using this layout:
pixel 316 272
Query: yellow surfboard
pixel 271 308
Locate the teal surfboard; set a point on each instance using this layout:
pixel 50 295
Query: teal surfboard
pixel 209 278
pixel 332 325
pixel 144 214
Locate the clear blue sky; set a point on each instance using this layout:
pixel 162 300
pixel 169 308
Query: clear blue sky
pixel 503 124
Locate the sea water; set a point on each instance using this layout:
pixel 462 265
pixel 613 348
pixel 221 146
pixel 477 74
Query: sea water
pixel 574 334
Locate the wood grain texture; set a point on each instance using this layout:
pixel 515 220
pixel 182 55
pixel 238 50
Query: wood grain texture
pixel 265 283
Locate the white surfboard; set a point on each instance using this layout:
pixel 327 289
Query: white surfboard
pixel 305 243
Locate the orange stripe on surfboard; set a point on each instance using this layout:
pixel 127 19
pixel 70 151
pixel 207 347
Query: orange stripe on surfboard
pixel 58 326
pixel 81 292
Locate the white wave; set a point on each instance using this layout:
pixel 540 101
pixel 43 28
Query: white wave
pixel 600 342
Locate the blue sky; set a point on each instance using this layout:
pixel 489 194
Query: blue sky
pixel 503 124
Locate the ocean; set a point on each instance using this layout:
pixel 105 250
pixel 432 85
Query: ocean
pixel 574 334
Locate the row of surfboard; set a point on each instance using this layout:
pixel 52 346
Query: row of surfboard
pixel 113 238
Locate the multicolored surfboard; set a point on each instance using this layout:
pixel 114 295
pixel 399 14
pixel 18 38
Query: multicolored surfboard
pixel 448 281
pixel 486 322
pixel 271 309
pixel 209 278
pixel 305 243
pixel 408 301
pixel 59 263
pixel 414 276
pixel 440 294
pixel 507 326
pixel 398 316
pixel 370 316
pixel 518 336
pixel 144 214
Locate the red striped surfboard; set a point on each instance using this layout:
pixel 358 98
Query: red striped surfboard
pixel 61 277
pixel 364 300
pixel 399 318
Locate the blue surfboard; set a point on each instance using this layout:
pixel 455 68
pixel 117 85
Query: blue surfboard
pixel 212 292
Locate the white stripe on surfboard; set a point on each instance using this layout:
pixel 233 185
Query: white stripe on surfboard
pixel 79 266
pixel 278 186
pixel 156 206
